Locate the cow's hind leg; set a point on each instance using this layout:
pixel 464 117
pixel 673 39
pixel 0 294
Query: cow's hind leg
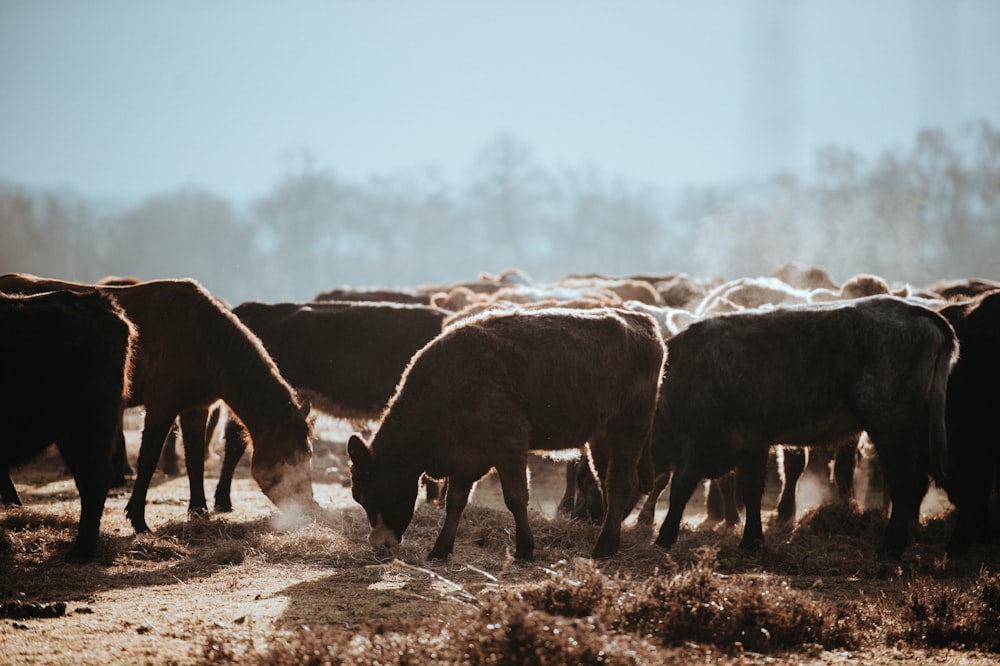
pixel 588 503
pixel 568 500
pixel 619 483
pixel 120 468
pixel 907 481
pixel 8 493
pixel 455 500
pixel 721 503
pixel 647 513
pixel 236 445
pixel 90 464
pixel 792 463
pixel 752 474
pixel 194 426
pixel 844 461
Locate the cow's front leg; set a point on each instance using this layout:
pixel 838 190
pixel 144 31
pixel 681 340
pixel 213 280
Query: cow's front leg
pixel 514 481
pixel 682 486
pixel 751 475
pixel 457 498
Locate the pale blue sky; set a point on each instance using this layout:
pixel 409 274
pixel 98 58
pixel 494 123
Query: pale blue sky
pixel 117 98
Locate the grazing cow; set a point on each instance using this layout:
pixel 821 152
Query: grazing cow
pixel 346 358
pixel 805 375
pixel 66 369
pixel 492 388
pixel 973 436
pixel 191 352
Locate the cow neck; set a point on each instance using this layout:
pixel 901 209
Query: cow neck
pixel 399 453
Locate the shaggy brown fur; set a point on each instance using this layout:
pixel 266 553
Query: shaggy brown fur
pixel 491 389
pixel 191 352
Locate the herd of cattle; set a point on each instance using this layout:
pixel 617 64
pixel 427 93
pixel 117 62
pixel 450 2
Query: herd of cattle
pixel 656 378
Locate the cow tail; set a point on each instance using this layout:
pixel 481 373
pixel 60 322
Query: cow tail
pixel 938 391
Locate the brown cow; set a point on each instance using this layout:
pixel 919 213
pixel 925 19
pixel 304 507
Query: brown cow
pixel 346 358
pixel 492 388
pixel 191 352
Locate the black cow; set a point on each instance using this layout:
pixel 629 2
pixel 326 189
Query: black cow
pixel 67 359
pixel 347 358
pixel 973 435
pixel 494 387
pixel 804 375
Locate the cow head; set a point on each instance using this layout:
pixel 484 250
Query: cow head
pixel 387 492
pixel 281 461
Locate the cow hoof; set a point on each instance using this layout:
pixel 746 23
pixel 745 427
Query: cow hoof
pixel 197 515
pixel 528 556
pixel 78 555
pixel 751 544
pixel 665 542
pixel 140 526
pixel 223 507
pixel 437 556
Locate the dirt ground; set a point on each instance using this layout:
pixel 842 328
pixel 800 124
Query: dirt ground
pixel 250 579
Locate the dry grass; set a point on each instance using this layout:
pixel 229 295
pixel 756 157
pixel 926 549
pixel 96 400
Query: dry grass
pixel 247 588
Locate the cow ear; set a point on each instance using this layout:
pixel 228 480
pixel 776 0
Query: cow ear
pixel 359 453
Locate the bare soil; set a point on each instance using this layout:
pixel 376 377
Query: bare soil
pixel 240 585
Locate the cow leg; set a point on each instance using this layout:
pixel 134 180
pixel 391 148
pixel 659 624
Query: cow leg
pixel 154 432
pixel 793 463
pixel 907 486
pixel 844 462
pixel 514 482
pixel 168 459
pixel 119 462
pixel 236 445
pixel 194 426
pixel 8 493
pixel 972 508
pixel 455 500
pixel 568 500
pixel 682 486
pixel 752 474
pixel 614 455
pixel 715 503
pixel 720 502
pixel 731 505
pixel 90 464
pixel 588 504
pixel 647 514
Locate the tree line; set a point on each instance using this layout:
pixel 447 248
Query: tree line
pixel 926 212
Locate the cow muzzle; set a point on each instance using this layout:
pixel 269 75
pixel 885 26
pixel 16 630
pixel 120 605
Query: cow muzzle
pixel 381 536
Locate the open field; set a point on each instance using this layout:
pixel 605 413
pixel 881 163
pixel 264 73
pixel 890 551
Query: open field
pixel 249 587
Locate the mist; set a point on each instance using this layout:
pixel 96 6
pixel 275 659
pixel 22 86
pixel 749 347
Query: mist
pixel 928 211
